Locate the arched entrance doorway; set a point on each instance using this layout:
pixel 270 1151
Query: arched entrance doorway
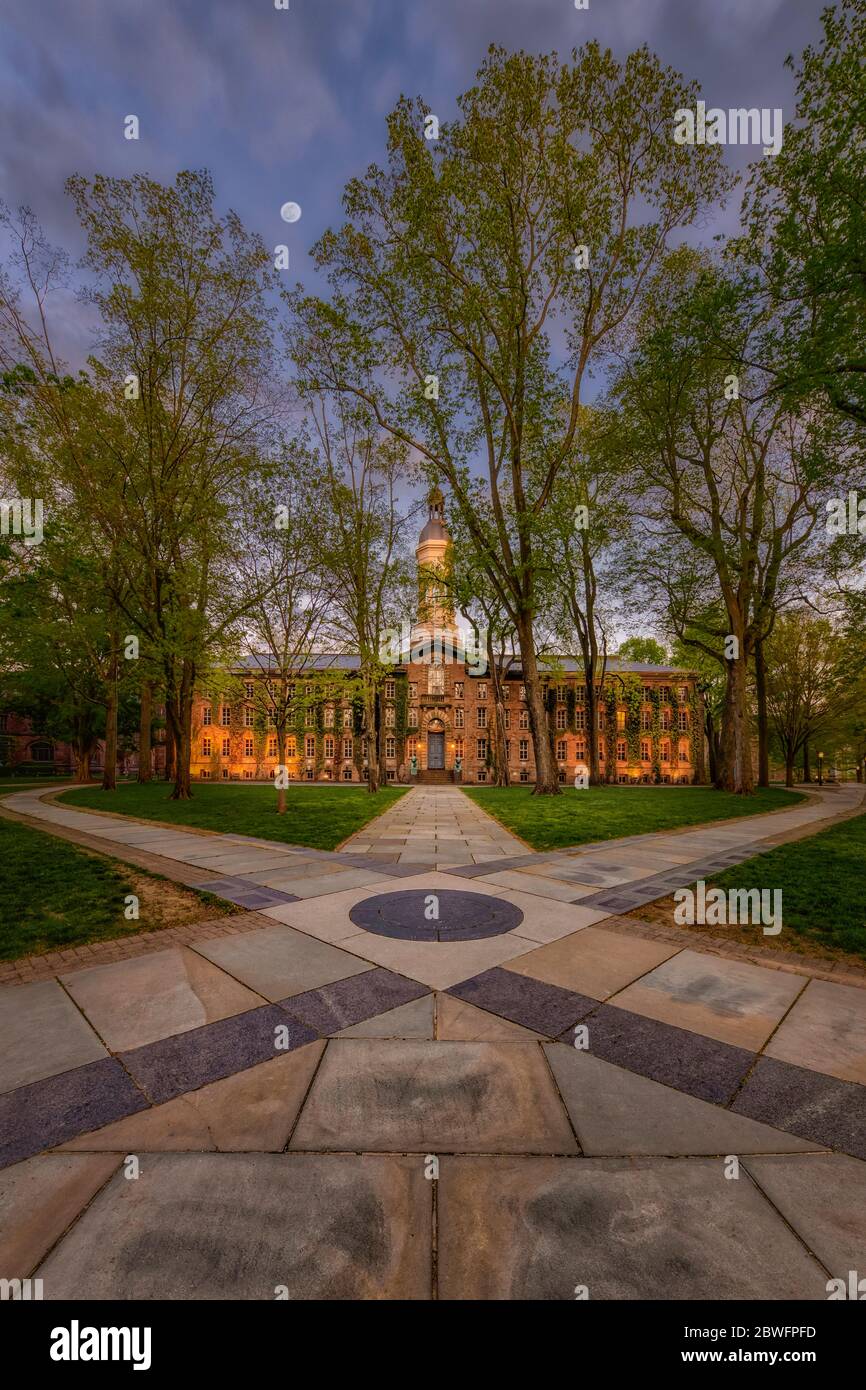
pixel 435 744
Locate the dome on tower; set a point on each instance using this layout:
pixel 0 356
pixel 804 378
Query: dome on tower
pixel 435 529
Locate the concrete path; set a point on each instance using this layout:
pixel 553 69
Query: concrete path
pixel 438 826
pixel 390 1055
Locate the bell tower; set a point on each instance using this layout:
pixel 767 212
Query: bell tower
pixel 435 604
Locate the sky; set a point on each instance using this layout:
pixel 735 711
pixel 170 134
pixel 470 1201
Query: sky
pixel 286 105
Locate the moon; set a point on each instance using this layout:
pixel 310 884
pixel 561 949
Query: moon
pixel 290 212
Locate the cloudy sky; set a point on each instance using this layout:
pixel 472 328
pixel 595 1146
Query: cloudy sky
pixel 287 104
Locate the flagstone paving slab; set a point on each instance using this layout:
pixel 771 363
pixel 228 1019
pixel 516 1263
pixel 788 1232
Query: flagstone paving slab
pixel 49 1112
pixel 39 1199
pixel 252 1110
pixel 730 1000
pixel 42 1033
pixel 242 1226
pixel 437 964
pixel 822 1108
pixel 404 1095
pixel 616 1112
pixel 825 1030
pixel 689 1062
pixel 538 1228
pixel 543 1008
pixel 134 1002
pixel 170 1067
pixel 462 1022
pixel 593 961
pixel 413 1020
pixel 824 1198
pixel 278 962
pixel 540 886
pixel 346 1002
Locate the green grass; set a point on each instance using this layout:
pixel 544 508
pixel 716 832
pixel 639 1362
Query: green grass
pixel 52 896
pixel 320 817
pixel 823 883
pixel 582 816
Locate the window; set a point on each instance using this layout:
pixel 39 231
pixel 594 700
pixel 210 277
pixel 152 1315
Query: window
pixel 390 689
pixel 684 692
pixel 684 751
pixel 272 748
pixel 482 690
pixel 506 692
pixel 560 718
pixel 481 716
pixel 436 680
pixel 310 745
pixel 522 695
pixel 248 687
pixel 645 750
pixel 560 694
pixel 204 775
pixel 620 719
pixel 390 716
pixel 482 774
pixel 601 750
pixel 458 719
pixel 291 748
pixel 580 718
pixel 524 775
pixel 682 720
pixel 458 690
pixel 601 719
pixel 580 695
pixel 458 748
pixel 347 719
pixel 248 748
pixel 413 690
pixel 206 715
pixel 665 694
pixel 646 720
pixel 329 746
pixel 248 718
pixel 523 719
pixel 248 776
pixel 227 747
pixel 348 747
pixel 506 718
pixel 580 750
pixel 481 749
pixel 347 774
pixel 666 751
pixel 667 719
pixel 226 716
pixel 647 694
pixel 523 749
pixel 329 716
pixel 561 750
pixel 413 717
pixel 205 747
pixel 621 751
pixel 508 750
pixel 390 748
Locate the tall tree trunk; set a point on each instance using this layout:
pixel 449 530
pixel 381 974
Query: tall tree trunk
pixel 500 756
pixel 546 780
pixel 145 733
pixel 371 733
pixel 712 745
pixel 281 764
pixel 109 764
pixel 763 721
pixel 807 770
pixel 735 771
pixel 789 766
pixel 595 777
pixel 83 754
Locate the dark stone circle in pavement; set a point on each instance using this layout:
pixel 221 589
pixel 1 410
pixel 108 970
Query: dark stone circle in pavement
pixel 460 916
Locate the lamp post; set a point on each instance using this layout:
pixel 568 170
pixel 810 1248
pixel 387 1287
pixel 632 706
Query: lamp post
pixel 820 769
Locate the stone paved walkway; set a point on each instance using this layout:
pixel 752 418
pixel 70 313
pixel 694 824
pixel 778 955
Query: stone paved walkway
pixel 408 1109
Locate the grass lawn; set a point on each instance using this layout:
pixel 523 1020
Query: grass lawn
pixel 54 895
pixel 320 817
pixel 582 816
pixel 823 883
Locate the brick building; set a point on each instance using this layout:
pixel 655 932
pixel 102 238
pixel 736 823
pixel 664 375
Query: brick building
pixel 438 708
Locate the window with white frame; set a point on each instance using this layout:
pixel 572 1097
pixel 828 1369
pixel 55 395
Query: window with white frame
pixel 458 719
pixel 481 716
pixel 523 719
pixel 390 689
pixel 390 748
pixel 561 750
pixel 227 747
pixel 523 749
pixel 481 749
pixel 329 745
pixel 310 745
pixel 458 690
pixel 226 717
pixel 248 748
pixel 482 690
pixel 561 718
pixel 249 717
pixel 390 716
pixel 205 747
pixel 206 715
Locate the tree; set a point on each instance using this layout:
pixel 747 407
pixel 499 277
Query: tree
pixel 538 213
pixel 643 649
pixel 806 222
pixel 730 469
pixel 808 681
